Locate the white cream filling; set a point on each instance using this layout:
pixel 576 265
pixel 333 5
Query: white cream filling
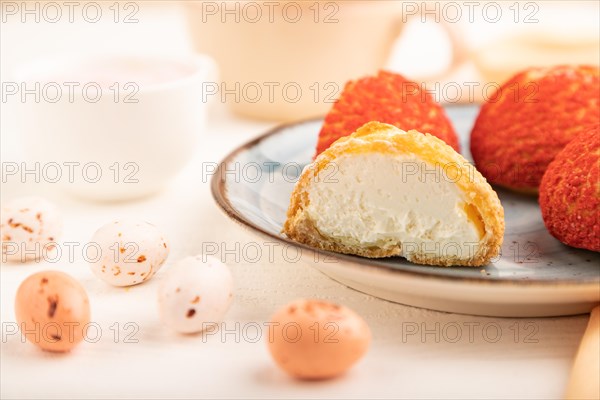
pixel 382 200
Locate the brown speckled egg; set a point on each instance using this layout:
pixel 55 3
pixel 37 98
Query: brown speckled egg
pixel 52 310
pixel 195 294
pixel 313 339
pixel 131 251
pixel 29 228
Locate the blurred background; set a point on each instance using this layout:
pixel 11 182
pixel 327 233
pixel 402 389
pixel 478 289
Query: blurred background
pixel 262 61
pixel 313 40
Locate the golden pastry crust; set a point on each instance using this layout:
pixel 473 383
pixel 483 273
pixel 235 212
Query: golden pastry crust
pixel 375 137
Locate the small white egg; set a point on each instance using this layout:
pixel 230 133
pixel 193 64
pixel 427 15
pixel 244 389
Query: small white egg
pixel 195 294
pixel 29 227
pixel 131 252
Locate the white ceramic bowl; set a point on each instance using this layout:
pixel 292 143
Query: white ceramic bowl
pixel 125 141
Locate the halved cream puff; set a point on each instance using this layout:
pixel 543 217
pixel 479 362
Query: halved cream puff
pixel 384 192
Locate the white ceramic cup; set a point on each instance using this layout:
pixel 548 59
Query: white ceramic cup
pixel 289 60
pixel 123 126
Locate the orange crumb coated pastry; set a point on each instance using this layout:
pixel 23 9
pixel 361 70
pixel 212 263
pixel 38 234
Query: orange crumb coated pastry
pixel 570 192
pixel 389 98
pixel 530 119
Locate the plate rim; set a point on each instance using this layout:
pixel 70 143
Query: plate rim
pixel 219 194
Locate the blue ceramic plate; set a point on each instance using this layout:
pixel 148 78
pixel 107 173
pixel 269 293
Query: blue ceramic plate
pixel 536 275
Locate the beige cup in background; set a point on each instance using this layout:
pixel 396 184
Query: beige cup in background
pixel 314 46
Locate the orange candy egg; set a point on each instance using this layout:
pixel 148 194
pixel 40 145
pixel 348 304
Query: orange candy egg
pixel 52 310
pixel 313 339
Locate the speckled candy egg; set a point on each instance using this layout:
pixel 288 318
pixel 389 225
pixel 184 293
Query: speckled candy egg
pixel 29 227
pixel 313 339
pixel 195 294
pixel 52 310
pixel 131 252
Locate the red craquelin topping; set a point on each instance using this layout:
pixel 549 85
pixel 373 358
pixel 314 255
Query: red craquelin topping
pixel 530 119
pixel 570 192
pixel 387 98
